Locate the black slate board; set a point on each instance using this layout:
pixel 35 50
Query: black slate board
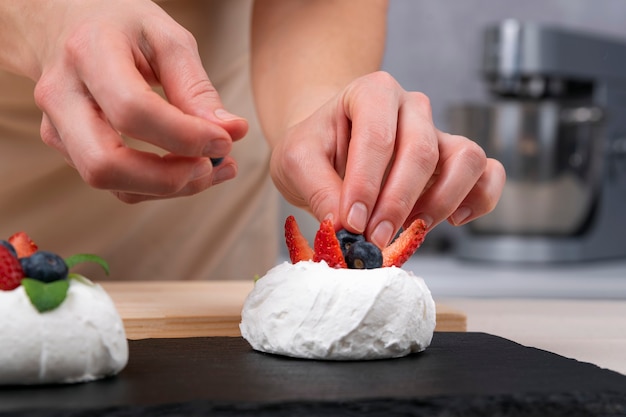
pixel 459 374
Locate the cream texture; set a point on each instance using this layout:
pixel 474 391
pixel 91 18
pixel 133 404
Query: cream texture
pixel 309 310
pixel 81 340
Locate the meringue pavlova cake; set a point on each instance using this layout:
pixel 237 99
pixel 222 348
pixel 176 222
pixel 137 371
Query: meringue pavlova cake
pixel 55 326
pixel 342 300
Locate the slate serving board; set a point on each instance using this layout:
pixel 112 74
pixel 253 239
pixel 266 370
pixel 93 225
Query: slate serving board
pixel 459 374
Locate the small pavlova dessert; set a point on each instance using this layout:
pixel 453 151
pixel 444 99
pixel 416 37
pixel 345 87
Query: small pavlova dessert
pixel 342 300
pixel 55 326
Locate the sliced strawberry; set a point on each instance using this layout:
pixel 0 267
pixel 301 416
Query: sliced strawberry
pixel 23 244
pixel 327 246
pixel 11 272
pixel 299 249
pixel 405 245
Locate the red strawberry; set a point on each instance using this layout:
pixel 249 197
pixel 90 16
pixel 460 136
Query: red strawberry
pixel 299 249
pixel 405 245
pixel 11 273
pixel 23 244
pixel 327 246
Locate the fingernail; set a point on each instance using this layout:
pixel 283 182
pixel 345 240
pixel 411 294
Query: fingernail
pixel 202 169
pixel 225 173
pixel 226 116
pixel 382 234
pixel 217 146
pixel 460 215
pixel 426 218
pixel 357 217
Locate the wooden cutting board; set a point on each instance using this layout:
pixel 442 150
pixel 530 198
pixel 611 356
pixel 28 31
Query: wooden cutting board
pixel 172 309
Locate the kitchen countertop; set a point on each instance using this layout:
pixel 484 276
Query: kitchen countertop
pixel 577 310
pixel 183 309
pixel 591 331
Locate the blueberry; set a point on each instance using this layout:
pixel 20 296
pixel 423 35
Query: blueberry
pixel 10 247
pixel 44 266
pixel 216 161
pixel 346 239
pixel 364 255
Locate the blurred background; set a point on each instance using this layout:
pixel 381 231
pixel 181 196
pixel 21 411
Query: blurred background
pixel 436 46
pixel 541 85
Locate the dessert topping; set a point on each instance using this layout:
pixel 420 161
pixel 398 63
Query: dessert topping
pixel 10 247
pixel 343 249
pixel 44 275
pixel 346 239
pixel 10 270
pixel 327 247
pixel 44 266
pixel 364 255
pixel 46 296
pixel 23 244
pixel 299 249
pixel 405 245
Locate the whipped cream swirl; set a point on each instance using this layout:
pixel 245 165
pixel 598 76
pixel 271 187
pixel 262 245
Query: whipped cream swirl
pixel 81 340
pixel 309 310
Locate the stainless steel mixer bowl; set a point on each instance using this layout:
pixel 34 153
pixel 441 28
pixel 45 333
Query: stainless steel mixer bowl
pixel 552 153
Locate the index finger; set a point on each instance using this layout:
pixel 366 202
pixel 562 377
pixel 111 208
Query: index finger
pixel 390 157
pixel 135 109
pixel 370 150
pixel 417 155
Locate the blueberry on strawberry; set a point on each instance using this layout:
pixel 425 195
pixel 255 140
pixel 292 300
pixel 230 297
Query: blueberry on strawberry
pixel 363 255
pixel 44 266
pixel 43 275
pixel 346 239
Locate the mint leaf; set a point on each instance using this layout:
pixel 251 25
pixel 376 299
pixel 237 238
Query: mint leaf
pixel 86 257
pixel 80 278
pixel 46 296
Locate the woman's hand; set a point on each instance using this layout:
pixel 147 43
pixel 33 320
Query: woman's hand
pixel 372 159
pixel 95 64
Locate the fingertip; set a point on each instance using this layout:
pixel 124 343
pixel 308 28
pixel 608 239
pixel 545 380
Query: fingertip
pixel 224 173
pixel 426 218
pixel 226 116
pixel 235 125
pixel 357 217
pixel 460 216
pixel 201 169
pixel 382 233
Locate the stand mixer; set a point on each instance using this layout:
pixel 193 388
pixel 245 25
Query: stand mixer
pixel 556 120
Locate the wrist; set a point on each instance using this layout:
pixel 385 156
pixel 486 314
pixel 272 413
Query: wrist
pixel 21 36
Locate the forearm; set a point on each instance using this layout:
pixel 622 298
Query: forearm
pixel 305 52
